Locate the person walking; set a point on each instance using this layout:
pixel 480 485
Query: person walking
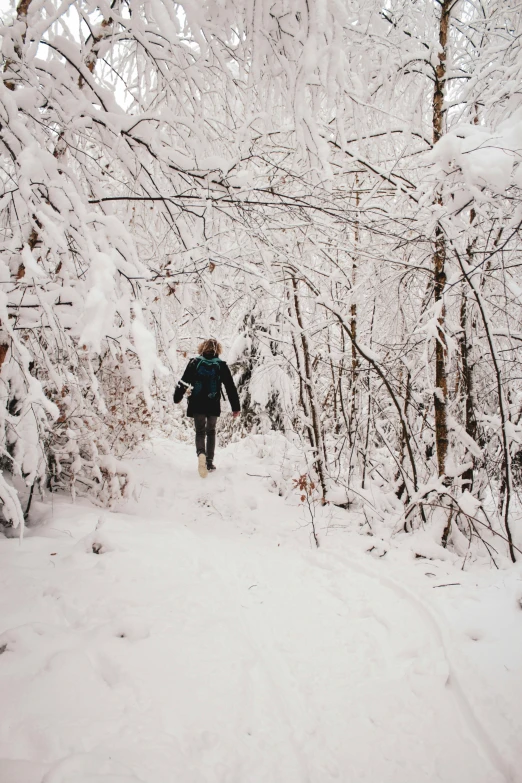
pixel 201 382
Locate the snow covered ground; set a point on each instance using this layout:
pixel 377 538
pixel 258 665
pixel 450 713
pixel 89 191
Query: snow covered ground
pixel 206 641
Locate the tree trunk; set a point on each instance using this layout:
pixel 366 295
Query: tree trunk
pixel 308 382
pixel 369 411
pixel 439 256
pixel 302 394
pixel 353 328
pixel 470 419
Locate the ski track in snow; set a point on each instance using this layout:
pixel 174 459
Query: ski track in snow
pixel 209 643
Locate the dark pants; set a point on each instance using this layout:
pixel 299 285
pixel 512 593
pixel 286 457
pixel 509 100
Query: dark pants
pixel 205 425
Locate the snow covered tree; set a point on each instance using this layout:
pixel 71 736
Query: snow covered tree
pixel 173 170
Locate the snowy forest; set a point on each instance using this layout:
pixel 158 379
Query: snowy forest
pixel 332 189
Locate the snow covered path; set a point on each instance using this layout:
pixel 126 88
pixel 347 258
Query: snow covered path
pixel 208 643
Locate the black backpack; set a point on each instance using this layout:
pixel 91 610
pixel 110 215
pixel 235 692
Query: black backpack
pixel 207 379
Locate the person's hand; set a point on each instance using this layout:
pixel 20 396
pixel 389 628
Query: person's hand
pixel 235 414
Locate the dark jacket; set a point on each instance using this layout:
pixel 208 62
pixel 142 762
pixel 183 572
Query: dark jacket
pixel 207 406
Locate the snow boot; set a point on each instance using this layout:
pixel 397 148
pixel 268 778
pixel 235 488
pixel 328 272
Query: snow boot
pixel 210 466
pixel 202 465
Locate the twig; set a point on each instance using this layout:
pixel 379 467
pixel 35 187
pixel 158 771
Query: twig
pixel 449 584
